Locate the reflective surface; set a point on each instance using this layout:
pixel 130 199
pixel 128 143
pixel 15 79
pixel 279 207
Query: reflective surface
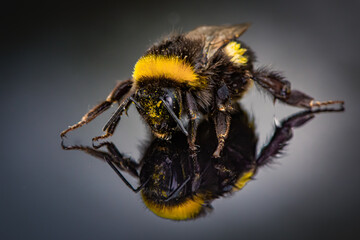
pixel 179 184
pixel 60 59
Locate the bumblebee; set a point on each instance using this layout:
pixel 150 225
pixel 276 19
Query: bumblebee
pixel 169 185
pixel 188 75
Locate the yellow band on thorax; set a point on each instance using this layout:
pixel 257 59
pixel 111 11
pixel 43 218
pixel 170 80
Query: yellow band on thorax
pixel 168 67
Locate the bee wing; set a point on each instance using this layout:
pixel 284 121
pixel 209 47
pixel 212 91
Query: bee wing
pixel 216 36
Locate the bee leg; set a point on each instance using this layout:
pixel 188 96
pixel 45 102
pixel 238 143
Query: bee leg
pixel 110 126
pixel 222 118
pixel 280 88
pixel 222 127
pixel 193 115
pixel 116 94
pixel 283 133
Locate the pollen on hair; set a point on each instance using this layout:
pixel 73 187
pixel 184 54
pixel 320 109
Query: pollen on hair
pixel 236 53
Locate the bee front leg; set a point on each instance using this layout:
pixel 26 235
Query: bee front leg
pixel 110 126
pixel 116 94
pixel 280 88
pixel 193 115
pixel 222 118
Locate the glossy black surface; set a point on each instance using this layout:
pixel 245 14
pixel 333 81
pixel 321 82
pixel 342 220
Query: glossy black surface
pixel 60 59
pixel 180 184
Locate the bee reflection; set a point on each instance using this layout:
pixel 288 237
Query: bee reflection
pixel 177 184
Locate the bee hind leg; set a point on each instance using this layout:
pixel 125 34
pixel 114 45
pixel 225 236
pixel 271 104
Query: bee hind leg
pixel 280 88
pixel 116 94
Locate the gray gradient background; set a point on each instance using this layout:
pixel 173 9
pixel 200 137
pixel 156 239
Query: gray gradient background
pixel 58 59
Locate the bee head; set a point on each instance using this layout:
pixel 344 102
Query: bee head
pixel 161 109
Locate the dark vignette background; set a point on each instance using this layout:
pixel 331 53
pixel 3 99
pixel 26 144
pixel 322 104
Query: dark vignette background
pixel 59 58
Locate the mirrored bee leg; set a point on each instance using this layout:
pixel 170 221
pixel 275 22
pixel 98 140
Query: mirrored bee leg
pixel 275 84
pixel 283 133
pixel 193 115
pixel 116 94
pixel 123 163
pixel 124 179
pixel 114 158
pixel 117 162
pixel 222 118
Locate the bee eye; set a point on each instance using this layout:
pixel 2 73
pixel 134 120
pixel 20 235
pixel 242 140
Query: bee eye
pixel 169 100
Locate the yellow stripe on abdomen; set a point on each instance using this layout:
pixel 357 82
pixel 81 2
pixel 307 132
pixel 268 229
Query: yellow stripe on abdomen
pixel 188 209
pixel 243 180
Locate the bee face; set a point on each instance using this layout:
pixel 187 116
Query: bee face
pixel 154 111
